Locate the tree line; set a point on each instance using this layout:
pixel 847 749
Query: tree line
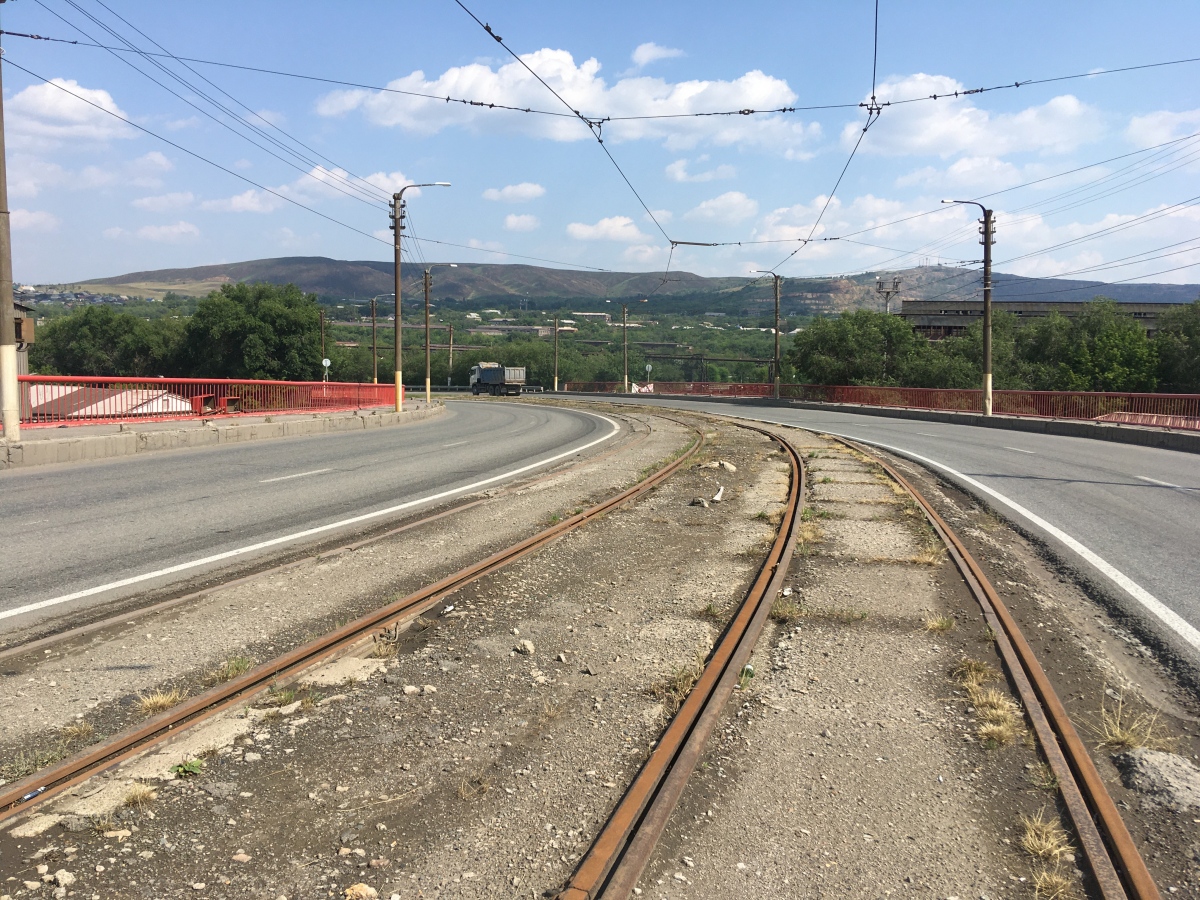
pixel 1101 349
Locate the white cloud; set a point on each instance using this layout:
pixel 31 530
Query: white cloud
pixel 662 215
pixel 243 164
pixel 114 233
pixel 614 228
pixel 182 124
pixel 33 220
pixel 968 172
pixel 169 234
pixel 521 223
pixel 515 193
pixel 950 126
pixel 273 116
pixel 253 200
pixel 678 171
pixel 29 175
pixel 387 181
pixel 732 206
pixel 644 254
pixel 649 52
pixel 511 84
pixel 1162 126
pixel 165 202
pixel 46 115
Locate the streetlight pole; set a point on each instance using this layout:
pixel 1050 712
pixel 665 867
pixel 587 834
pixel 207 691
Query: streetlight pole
pixel 625 342
pixel 556 354
pixel 10 404
pixel 374 346
pixel 397 226
pixel 450 364
pixel 428 284
pixel 988 231
pixel 775 364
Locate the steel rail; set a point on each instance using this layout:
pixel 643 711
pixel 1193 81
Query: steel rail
pixel 619 854
pixel 25 647
pixel 42 786
pixel 1117 866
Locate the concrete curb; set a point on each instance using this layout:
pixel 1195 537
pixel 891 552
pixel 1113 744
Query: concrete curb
pixel 107 446
pixel 1161 438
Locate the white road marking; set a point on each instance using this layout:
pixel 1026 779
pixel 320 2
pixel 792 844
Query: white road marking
pixel 309 532
pixel 297 475
pixel 1165 614
pixel 456 444
pixel 927 434
pixel 1019 450
pixel 1177 487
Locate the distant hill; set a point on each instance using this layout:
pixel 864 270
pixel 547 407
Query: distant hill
pixel 473 285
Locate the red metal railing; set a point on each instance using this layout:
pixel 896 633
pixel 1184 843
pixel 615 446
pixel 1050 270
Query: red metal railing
pixel 71 400
pixel 1163 410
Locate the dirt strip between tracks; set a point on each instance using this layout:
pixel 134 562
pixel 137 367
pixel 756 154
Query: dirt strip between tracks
pixel 477 753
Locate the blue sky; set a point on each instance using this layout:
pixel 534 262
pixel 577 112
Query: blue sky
pixel 93 197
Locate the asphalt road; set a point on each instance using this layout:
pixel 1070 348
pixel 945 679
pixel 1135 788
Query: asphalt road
pixel 1126 517
pixel 85 528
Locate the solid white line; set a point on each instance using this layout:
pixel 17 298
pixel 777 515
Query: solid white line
pixel 1166 615
pixel 1019 450
pixel 309 532
pixel 1177 487
pixel 455 444
pixel 927 434
pixel 297 475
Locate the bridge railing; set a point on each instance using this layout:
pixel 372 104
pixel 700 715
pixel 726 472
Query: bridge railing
pixel 1162 410
pixel 52 400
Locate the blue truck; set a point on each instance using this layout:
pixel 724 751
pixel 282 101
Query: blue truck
pixel 495 379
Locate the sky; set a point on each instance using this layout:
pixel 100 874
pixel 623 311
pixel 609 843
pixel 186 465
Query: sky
pixel 119 164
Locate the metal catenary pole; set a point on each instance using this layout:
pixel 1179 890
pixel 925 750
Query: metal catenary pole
pixel 556 354
pixel 374 346
pixel 989 237
pixel 775 393
pixel 397 230
pixel 625 341
pixel 450 365
pixel 428 389
pixel 10 404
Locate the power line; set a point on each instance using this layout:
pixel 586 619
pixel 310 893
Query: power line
pixel 593 125
pixel 1102 284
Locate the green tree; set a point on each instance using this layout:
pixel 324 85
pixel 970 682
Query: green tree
pixel 861 347
pixel 254 331
pixel 1178 346
pixel 96 340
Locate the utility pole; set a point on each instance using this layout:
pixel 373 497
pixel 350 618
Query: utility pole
pixel 428 392
pixel 556 354
pixel 775 359
pixel 887 292
pixel 987 229
pixel 450 366
pixel 10 403
pixel 397 231
pixel 322 312
pixel 374 346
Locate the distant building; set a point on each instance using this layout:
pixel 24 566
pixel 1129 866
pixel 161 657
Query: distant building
pixel 938 319
pixel 594 316
pixel 498 330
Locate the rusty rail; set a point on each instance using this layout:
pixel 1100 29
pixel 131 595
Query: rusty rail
pixel 615 861
pixel 49 783
pixel 1117 866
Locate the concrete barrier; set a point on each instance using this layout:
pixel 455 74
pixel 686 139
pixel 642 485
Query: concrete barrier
pixel 84 448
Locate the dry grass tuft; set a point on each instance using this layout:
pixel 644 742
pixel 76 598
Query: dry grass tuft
pixel 930 555
pixel 1050 884
pixel 1044 838
pixel 972 672
pixel 230 669
pixel 387 642
pixel 1043 778
pixel 470 788
pixel 159 701
pixel 551 711
pixel 674 689
pixel 809 533
pixel 139 796
pixel 712 612
pixel 997 734
pixel 77 732
pixel 939 624
pixel 785 610
pixel 1122 730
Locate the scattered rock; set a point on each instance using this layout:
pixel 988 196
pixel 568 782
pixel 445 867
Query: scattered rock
pixel 361 892
pixel 63 878
pixel 411 689
pixel 699 501
pixel 1166 778
pixel 719 495
pixel 241 856
pixel 429 689
pixel 380 863
pixel 525 647
pixel 222 790
pixel 252 757
pixel 199 886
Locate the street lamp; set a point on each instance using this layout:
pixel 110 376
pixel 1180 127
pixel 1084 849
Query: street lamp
pixel 778 282
pixel 988 230
pixel 428 283
pixel 397 226
pixel 374 345
pixel 625 338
